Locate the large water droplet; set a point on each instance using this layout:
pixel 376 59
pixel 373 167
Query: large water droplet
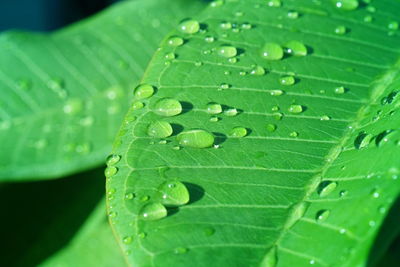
pixel 159 129
pixel 238 132
pixel 153 211
pixel 113 159
pixel 287 80
pixel 174 193
pixel 231 112
pixel 144 91
pixel 189 26
pixel 271 127
pixel 257 71
pixel 296 48
pixel 110 171
pixel 168 107
pixel 272 51
pixel 196 139
pixel 226 51
pixel 214 108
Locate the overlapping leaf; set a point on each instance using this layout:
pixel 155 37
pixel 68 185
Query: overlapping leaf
pixel 317 170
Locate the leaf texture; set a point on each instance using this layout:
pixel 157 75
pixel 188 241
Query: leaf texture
pixel 64 95
pixel 317 169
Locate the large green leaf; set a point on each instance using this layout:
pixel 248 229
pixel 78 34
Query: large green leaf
pixel 63 95
pixel 313 191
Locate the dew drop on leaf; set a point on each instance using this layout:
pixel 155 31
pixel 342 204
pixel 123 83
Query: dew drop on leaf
pixel 295 108
pixel 271 51
pixel 153 211
pixel 159 129
pixel 362 140
pixel 73 106
pixel 174 193
pixel 196 138
pixel 296 48
pixel 287 80
pixel 276 92
pixel 292 14
pixel 368 18
pixel 175 41
pixel 340 30
pixel 168 107
pixel 127 240
pixel 214 108
pixel 180 250
pixel 137 105
pixel 393 25
pixel 170 56
pixel 110 171
pixel 274 3
pixel 322 215
pixel 238 132
pixel 189 26
pixel 231 112
pixel 227 51
pixel 326 187
pixel 257 71
pixel 340 90
pixel 113 159
pixel 346 4
pixel 129 196
pixel 271 127
pixel 226 25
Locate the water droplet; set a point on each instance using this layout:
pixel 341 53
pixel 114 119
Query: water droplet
pixel 272 51
pixel 168 107
pixel 375 193
pixel 242 73
pixel 112 214
pixel 159 129
pixel 294 134
pixel 295 108
pixel 170 56
pixel 340 30
pixel 274 3
pixel 110 171
pixel 232 60
pixel 73 106
pixel 393 25
pixel 214 108
pixel 276 92
pixel 278 116
pixel 224 86
pixel 322 215
pixel 175 41
pixel 292 14
pixel 217 3
pixel 238 132
pixel 346 4
pixel 153 211
pixel 196 139
pixel 214 119
pixel 246 26
pixel 226 51
pixel 287 80
pixel 127 240
pixel 142 235
pixel 174 193
pixel 296 48
pixel 368 18
pixel 362 140
pixel 209 39
pixel 137 105
pixel 144 198
pixel 325 118
pixel 189 26
pixel 209 231
pixel 231 112
pixel 340 90
pixel 271 127
pixel 130 196
pixel 198 63
pixel 343 193
pixel 180 250
pixel 326 187
pixel 257 71
pixel 113 159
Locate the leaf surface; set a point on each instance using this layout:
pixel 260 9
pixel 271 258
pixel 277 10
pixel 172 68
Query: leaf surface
pixel 63 95
pixel 317 169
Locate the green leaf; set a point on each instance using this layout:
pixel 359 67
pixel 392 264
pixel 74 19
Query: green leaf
pixel 64 95
pixel 304 161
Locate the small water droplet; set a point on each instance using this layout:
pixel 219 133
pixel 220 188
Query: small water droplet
pixel 375 193
pixel 137 105
pixel 196 139
pixel 322 215
pixel 170 56
pixel 224 86
pixel 325 118
pixel 168 107
pixel 227 51
pixel 393 25
pixel 276 92
pixel 226 25
pixel 287 80
pixel 292 14
pixel 274 3
pixel 340 30
pixel 271 127
pixel 142 235
pixel 217 3
pixel 174 193
pixel 368 18
pixel 231 112
pixel 112 214
pixel 110 171
pixel 295 108
pixel 175 41
pixel 362 140
pixel 159 129
pixel 257 71
pixel 180 250
pixel 346 4
pixel 144 198
pixel 272 51
pixel 326 187
pixel 153 211
pixel 113 159
pixel 246 26
pixel 189 26
pixel 278 116
pixel 238 132
pixel 340 90
pixel 73 106
pixel 343 193
pixel 130 196
pixel 296 48
pixel 127 240
pixel 214 108
pixel 294 134
pixel 209 39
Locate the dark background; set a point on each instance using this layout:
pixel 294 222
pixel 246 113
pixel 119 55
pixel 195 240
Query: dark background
pixel 46 15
